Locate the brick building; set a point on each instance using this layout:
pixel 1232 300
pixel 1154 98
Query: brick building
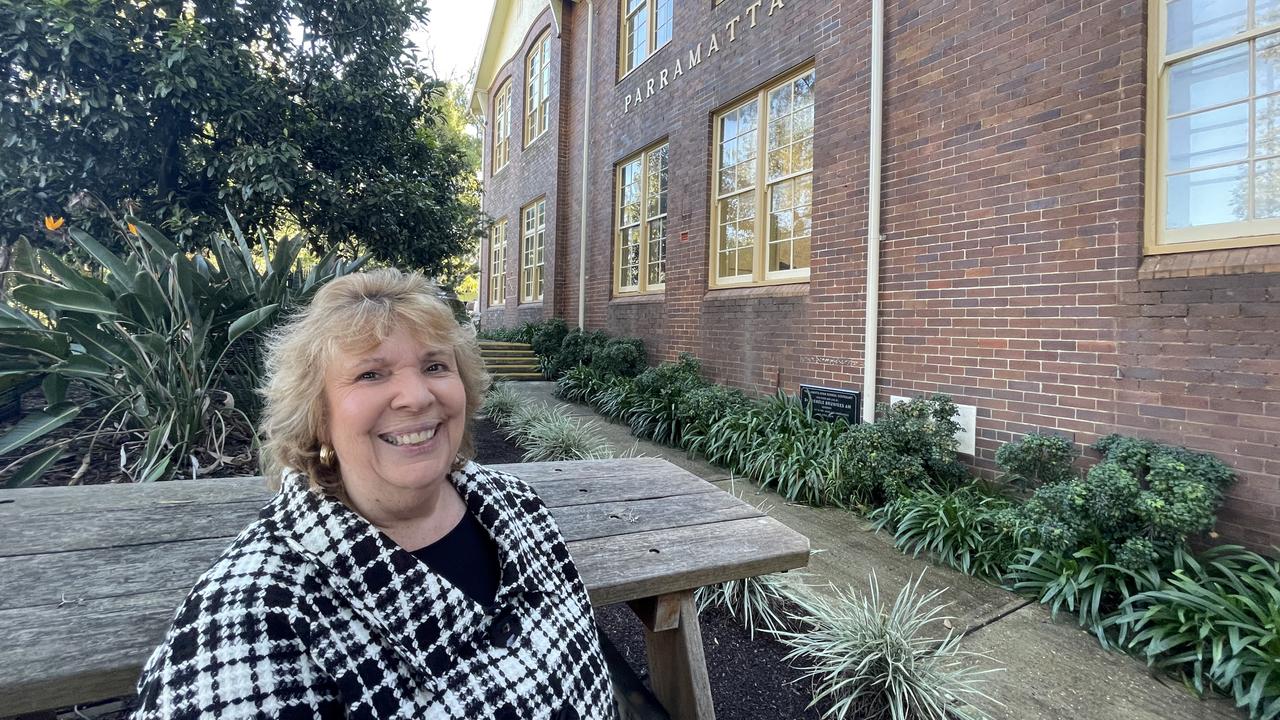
pixel 1077 200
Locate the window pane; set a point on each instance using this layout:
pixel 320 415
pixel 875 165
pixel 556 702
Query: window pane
pixel 1206 197
pixel 1266 189
pixel 1196 22
pixel 1266 12
pixel 656 183
pixel 1266 136
pixel 663 21
pixel 1209 138
pixel 1212 79
pixel 802 88
pixel 637 38
pixel 1267 64
pixel 657 251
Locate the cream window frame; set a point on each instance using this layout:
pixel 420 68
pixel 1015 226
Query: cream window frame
pixel 537 103
pixel 533 244
pixel 645 220
pixel 1247 233
pixel 760 193
pixel 498 264
pixel 502 127
pixel 649 8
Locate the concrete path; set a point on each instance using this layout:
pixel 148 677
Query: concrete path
pixel 1052 670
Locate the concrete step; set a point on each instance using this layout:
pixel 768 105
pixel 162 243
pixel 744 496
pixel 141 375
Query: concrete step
pixel 495 361
pixel 516 376
pixel 504 345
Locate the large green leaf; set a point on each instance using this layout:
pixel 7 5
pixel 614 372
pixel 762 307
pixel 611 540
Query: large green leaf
pixel 45 342
pixel 249 321
pixel 33 467
pixel 82 366
pixel 120 273
pixel 71 277
pixel 38 424
pixel 58 299
pixel 155 238
pixel 101 344
pixel 14 318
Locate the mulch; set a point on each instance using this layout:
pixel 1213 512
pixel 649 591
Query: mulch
pixel 750 680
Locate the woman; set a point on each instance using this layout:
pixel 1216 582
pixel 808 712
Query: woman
pixel 390 578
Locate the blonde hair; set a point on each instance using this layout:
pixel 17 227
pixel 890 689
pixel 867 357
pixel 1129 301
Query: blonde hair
pixel 353 313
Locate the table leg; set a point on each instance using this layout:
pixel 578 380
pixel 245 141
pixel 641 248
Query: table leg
pixel 677 666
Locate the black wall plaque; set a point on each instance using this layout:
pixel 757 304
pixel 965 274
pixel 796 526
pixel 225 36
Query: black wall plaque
pixel 830 403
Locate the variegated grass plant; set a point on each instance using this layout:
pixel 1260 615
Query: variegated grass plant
pixel 545 432
pixel 875 661
pixel 756 602
pixel 502 403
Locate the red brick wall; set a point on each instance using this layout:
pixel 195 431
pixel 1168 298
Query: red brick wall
pixel 530 173
pixel 1012 276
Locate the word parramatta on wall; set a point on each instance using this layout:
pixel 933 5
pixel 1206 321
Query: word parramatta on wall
pixel 749 18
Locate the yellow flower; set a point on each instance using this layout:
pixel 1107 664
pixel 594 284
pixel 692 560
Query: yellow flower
pixel 133 229
pixel 51 223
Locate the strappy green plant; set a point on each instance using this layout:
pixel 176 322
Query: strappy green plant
pixel 1215 621
pixel 144 337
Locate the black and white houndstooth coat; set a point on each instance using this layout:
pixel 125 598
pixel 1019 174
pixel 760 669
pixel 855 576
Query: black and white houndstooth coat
pixel 312 612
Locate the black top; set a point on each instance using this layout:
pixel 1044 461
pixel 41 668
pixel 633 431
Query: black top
pixel 466 557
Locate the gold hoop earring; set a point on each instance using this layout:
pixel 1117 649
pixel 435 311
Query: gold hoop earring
pixel 328 457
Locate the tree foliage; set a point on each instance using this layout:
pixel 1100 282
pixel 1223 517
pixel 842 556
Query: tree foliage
pixel 295 114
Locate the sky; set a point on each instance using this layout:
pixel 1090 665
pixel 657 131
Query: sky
pixel 453 36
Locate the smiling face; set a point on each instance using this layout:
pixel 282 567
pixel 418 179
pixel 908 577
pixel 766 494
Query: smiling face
pixel 396 415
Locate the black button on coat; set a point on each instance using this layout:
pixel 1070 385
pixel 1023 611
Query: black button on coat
pixel 312 612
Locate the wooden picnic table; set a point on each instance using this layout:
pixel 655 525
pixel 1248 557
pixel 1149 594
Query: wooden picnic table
pixel 90 577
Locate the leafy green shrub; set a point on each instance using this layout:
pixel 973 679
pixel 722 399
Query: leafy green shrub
pixel 545 338
pixel 517 334
pixel 147 337
pixel 577 348
pixel 654 415
pixel 873 661
pixel 968 529
pixel 620 356
pixel 701 408
pixel 1036 459
pixel 1215 620
pixel 1142 502
pixel 911 446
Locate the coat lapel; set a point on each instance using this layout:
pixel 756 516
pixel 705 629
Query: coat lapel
pixel 426 619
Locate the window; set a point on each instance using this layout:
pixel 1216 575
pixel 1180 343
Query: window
pixel 1215 113
pixel 498 264
pixel 640 244
pixel 502 127
pixel 764 186
pixel 645 27
pixel 537 97
pixel 532 242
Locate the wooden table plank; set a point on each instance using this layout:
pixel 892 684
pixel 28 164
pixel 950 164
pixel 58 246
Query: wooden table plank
pixel 34 581
pixel 625 567
pixel 122 528
pixel 80 652
pixel 584 522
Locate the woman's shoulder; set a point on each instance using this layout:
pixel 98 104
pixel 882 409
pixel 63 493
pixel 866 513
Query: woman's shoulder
pixel 257 564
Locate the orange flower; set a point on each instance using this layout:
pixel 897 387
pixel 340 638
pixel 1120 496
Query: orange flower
pixel 51 223
pixel 133 229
